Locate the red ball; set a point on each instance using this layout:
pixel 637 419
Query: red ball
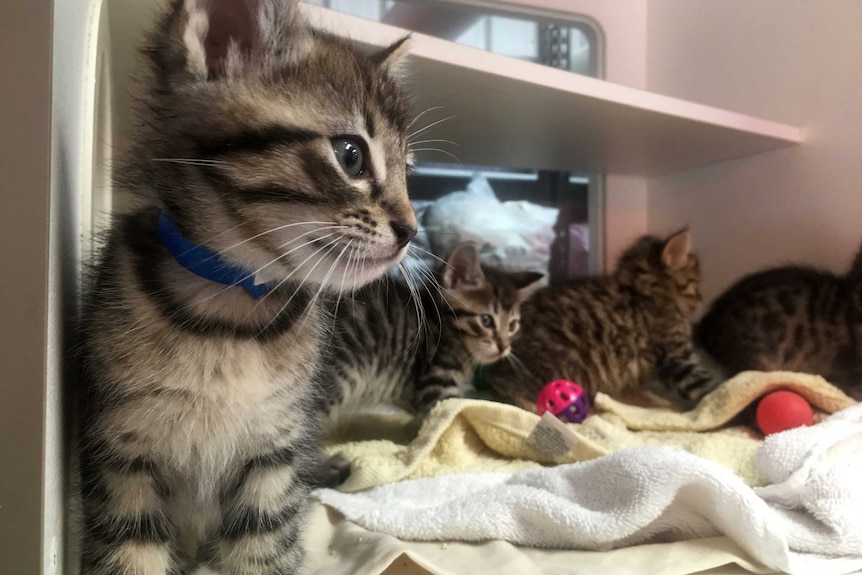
pixel 782 410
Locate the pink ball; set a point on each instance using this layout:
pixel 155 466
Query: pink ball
pixel 782 410
pixel 565 399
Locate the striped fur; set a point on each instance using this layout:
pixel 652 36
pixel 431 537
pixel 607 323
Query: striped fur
pixel 285 151
pixel 386 350
pixel 790 318
pixel 615 333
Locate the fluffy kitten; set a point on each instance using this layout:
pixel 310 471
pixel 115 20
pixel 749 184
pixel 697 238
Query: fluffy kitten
pixel 268 155
pixel 612 333
pixel 790 318
pixel 414 346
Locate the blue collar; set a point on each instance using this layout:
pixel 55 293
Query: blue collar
pixel 205 263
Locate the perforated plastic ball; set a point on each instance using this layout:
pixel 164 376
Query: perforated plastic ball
pixel 782 410
pixel 565 399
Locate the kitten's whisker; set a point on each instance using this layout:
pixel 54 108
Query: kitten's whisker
pixel 227 287
pixel 440 289
pixel 417 308
pixel 297 238
pixel 359 264
pixel 429 279
pixel 325 278
pixel 423 250
pixel 426 278
pixel 428 127
pixel 422 113
pixel 218 235
pixel 411 144
pixel 285 279
pixel 261 268
pixel 299 287
pixel 440 231
pixel 275 229
pixel 340 289
pixel 517 362
pixel 191 161
pixel 331 225
pixel 451 155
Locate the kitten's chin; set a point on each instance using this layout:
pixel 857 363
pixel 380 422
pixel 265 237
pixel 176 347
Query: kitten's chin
pixel 349 273
pixel 374 268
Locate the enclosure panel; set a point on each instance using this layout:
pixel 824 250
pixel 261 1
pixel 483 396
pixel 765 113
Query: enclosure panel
pixel 25 117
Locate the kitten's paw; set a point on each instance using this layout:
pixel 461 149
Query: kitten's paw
pixel 331 472
pixel 425 407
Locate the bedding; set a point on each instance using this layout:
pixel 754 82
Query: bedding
pixel 473 436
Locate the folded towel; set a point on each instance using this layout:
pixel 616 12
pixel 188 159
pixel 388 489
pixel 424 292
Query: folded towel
pixel 810 523
pixel 481 436
pixel 729 400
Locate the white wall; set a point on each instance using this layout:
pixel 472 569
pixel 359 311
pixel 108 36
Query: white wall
pixel 794 61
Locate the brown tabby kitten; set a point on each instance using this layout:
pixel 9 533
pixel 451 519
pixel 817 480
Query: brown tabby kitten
pixel 613 333
pixel 790 318
pixel 414 346
pixel 268 155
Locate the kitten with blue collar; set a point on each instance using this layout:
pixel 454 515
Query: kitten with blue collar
pixel 271 161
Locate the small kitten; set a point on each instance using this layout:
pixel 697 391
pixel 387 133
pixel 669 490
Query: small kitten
pixel 268 157
pixel 413 346
pixel 790 318
pixel 613 333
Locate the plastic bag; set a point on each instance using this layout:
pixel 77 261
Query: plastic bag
pixel 515 234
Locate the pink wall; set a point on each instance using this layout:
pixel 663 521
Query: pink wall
pixel 624 26
pixel 794 61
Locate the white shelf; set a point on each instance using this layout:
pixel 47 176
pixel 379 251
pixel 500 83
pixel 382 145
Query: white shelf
pixel 515 113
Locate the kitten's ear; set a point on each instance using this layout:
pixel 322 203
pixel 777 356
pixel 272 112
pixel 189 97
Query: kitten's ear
pixel 525 282
pixel 222 37
pixel 854 280
pixel 392 60
pixel 676 250
pixel 856 266
pixel 462 269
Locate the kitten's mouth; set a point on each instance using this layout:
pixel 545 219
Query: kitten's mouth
pixel 488 359
pixel 368 258
pixel 357 265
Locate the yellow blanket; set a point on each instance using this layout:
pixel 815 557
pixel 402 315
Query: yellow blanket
pixel 466 436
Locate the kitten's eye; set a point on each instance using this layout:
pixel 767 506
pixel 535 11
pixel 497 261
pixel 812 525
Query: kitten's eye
pixel 513 325
pixel 349 154
pixel 487 320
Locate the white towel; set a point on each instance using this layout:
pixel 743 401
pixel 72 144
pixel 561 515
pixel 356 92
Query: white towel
pixel 808 522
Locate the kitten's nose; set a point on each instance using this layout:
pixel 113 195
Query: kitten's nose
pixel 404 232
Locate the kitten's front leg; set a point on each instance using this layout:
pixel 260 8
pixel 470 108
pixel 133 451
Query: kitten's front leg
pixel 329 471
pixel 127 530
pixel 433 387
pixel 262 518
pixel 682 372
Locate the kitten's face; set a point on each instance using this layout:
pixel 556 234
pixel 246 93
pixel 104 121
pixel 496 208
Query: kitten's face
pixel 486 303
pixel 663 269
pixel 486 324
pixel 296 143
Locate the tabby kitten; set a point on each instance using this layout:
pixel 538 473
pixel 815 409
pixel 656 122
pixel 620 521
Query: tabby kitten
pixel 790 318
pixel 613 333
pixel 268 154
pixel 387 351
